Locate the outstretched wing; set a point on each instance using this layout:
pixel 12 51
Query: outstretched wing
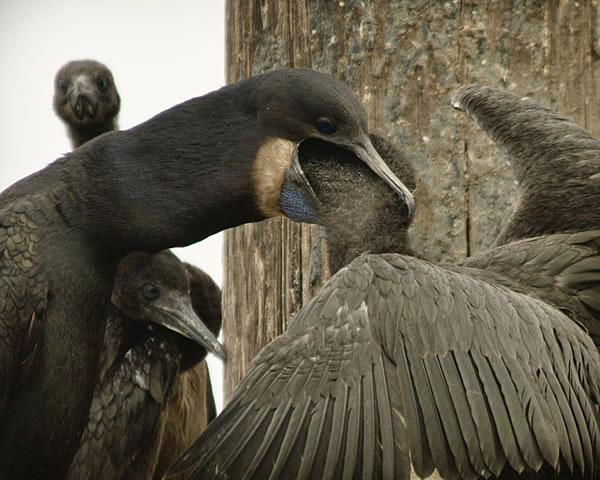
pixel 556 163
pixel 490 379
pixel 400 364
pixel 561 269
pixel 316 403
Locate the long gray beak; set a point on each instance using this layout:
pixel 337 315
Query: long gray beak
pixel 367 153
pixel 179 316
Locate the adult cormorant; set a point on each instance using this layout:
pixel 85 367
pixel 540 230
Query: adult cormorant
pixel 186 390
pixel 399 364
pixel 557 166
pixel 86 99
pixel 207 164
pixel 148 341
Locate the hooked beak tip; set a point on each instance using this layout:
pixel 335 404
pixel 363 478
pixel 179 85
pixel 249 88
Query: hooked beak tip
pixel 218 351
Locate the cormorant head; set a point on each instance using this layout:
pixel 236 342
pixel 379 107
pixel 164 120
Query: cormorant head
pixel 85 97
pixel 155 289
pixel 296 104
pixel 358 210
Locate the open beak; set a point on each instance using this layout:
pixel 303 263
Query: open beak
pixel 367 153
pixel 176 314
pixel 83 98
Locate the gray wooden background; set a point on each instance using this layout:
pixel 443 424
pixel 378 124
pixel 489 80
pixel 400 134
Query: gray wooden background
pixel 403 59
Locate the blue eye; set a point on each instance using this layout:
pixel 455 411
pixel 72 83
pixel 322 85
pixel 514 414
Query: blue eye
pixel 324 126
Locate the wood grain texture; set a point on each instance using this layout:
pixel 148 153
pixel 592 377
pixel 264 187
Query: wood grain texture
pixel 403 60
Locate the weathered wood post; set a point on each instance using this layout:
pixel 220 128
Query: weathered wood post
pixel 403 59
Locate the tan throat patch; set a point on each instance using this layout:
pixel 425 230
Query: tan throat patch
pixel 272 159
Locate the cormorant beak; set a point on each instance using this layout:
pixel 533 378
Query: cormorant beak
pixel 83 98
pixel 365 150
pixel 176 314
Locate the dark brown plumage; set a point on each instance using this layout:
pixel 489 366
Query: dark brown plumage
pixel 172 419
pixel 191 406
pixel 202 166
pixel 141 363
pixel 399 364
pixel 86 99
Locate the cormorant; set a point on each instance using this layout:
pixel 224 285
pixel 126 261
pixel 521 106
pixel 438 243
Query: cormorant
pixel 146 344
pixel 210 163
pixel 191 406
pixel 557 166
pixel 399 364
pixel 186 390
pixel 86 99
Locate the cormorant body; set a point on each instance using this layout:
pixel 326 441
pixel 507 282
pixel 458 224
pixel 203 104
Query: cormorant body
pixel 399 364
pixel 207 164
pixel 86 99
pixel 144 354
pixel 158 417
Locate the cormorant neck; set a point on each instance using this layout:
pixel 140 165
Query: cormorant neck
pixel 171 181
pixel 377 232
pixel 83 134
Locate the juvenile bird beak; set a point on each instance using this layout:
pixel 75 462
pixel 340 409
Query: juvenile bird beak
pixel 365 150
pixel 83 98
pixel 176 314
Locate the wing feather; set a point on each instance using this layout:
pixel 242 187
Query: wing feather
pixel 338 425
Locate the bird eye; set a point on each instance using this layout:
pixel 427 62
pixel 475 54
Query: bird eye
pixel 324 126
pixel 62 86
pixel 102 84
pixel 150 292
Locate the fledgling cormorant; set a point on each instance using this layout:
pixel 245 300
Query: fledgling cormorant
pixel 557 166
pixel 399 364
pixel 210 163
pixel 86 99
pixel 191 406
pixel 187 391
pixel 147 343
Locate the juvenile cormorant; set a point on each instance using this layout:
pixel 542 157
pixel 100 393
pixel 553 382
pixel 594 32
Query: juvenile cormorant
pixel 187 389
pixel 207 164
pixel 399 364
pixel 191 406
pixel 86 99
pixel 557 166
pixel 146 344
